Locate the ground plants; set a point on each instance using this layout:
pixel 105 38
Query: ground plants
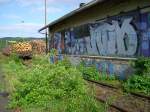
pixel 2 44
pixel 91 72
pixel 140 81
pixel 109 79
pixel 48 87
pixel 142 66
pixel 138 84
pixel 1 87
pixel 88 72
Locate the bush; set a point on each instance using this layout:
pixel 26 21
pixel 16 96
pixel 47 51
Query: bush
pixel 89 72
pixel 65 62
pixel 140 84
pixel 140 81
pixel 51 87
pixel 105 76
pixel 142 65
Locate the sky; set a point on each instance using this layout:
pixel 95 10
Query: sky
pixel 23 18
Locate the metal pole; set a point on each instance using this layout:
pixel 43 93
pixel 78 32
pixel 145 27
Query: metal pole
pixel 45 25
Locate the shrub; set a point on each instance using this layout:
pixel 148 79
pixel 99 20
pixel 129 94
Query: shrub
pixel 140 81
pixel 65 62
pixel 142 65
pixel 140 84
pixel 51 87
pixel 89 72
pixel 105 76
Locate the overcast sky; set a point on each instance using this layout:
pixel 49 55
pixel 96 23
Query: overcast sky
pixel 23 18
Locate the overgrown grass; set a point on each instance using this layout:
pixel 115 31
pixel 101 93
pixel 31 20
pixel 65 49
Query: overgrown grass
pixel 138 84
pixel 140 81
pixel 90 72
pixel 2 87
pixel 45 87
pixel 2 44
pixel 2 83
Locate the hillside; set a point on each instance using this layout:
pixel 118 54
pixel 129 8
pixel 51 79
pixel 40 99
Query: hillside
pixel 19 38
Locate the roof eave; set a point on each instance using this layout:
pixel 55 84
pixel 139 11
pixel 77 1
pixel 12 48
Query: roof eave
pixel 86 6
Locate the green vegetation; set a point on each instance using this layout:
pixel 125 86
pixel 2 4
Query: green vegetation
pixel 2 44
pixel 89 72
pixel 45 87
pixel 138 84
pixel 92 73
pixel 140 81
pixel 110 79
pixel 4 41
pixel 41 86
pixel 1 87
pixel 142 66
pixel 2 83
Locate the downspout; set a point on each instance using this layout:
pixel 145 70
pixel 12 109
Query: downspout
pixel 45 25
pixel 46 40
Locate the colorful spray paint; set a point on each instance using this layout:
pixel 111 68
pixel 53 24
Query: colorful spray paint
pixel 125 36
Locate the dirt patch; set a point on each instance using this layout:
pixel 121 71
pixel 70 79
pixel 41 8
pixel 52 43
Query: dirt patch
pixel 3 104
pixel 3 95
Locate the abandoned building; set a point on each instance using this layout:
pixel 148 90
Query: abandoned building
pixel 106 33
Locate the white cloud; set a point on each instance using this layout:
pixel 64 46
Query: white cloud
pixel 22 29
pixel 10 16
pixel 39 2
pixel 33 2
pixel 50 10
pixel 4 1
pixel 35 7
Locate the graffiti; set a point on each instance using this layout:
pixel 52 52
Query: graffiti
pixel 74 46
pixel 110 67
pixel 115 37
pixel 124 36
pixel 145 32
pixel 111 39
pixel 105 39
pixel 122 71
pixel 57 42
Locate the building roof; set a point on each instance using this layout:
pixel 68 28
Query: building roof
pixel 84 7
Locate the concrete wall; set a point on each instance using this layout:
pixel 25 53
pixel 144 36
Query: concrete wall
pixel 113 41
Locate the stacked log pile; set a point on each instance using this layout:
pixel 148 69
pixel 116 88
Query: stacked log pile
pixel 23 49
pixel 38 46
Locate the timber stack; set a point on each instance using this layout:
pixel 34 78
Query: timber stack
pixel 23 49
pixel 38 46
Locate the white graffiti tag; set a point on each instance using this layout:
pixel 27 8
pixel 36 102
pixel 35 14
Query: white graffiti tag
pixel 111 39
